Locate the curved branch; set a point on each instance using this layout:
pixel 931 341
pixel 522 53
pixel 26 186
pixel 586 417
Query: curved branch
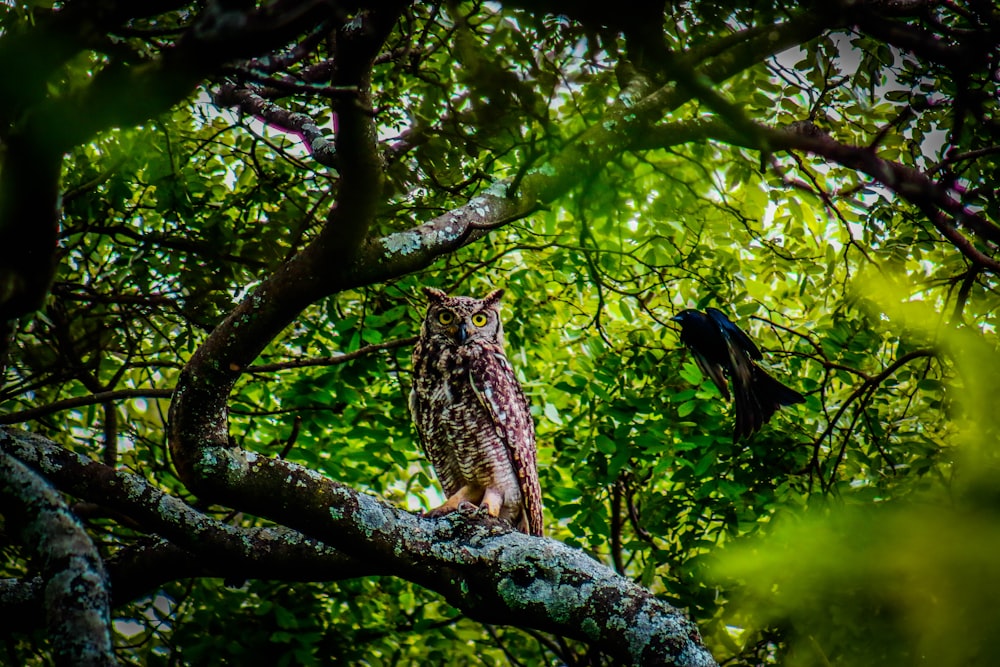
pixel 320 146
pixel 322 268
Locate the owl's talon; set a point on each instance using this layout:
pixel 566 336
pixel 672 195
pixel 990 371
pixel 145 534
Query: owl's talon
pixel 465 507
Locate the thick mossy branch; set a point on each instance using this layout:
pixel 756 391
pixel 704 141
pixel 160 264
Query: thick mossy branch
pixel 481 566
pixel 77 603
pixel 485 568
pixel 200 546
pixel 199 409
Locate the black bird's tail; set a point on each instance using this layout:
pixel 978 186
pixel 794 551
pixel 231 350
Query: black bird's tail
pixel 771 392
pixel 758 402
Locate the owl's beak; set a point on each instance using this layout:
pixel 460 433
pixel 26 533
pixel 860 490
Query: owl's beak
pixel 462 333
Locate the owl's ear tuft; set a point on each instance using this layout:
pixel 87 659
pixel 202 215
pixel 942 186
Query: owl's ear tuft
pixel 434 294
pixel 493 298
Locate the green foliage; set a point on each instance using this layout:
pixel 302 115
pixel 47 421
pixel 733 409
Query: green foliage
pixel 857 528
pixel 377 622
pixel 896 579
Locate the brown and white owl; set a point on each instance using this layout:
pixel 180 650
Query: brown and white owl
pixel 471 414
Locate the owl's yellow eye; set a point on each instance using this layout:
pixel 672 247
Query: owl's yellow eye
pixel 479 319
pixel 446 317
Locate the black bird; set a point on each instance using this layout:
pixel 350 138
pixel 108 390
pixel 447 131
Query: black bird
pixel 722 350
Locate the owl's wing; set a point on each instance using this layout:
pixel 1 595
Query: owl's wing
pixel 498 391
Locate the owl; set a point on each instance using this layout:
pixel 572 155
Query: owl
pixel 470 412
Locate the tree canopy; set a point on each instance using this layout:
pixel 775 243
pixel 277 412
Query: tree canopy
pixel 215 221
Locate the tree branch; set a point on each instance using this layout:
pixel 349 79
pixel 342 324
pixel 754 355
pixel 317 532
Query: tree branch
pixel 331 361
pixel 82 401
pixel 320 146
pixel 320 269
pixel 485 568
pixel 924 43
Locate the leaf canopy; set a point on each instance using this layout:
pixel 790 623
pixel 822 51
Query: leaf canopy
pixel 245 199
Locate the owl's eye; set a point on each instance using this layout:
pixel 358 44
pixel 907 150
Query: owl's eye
pixel 446 317
pixel 479 319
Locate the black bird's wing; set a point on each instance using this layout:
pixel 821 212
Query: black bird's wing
pixel 708 347
pixel 733 333
pixel 740 352
pixel 715 371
